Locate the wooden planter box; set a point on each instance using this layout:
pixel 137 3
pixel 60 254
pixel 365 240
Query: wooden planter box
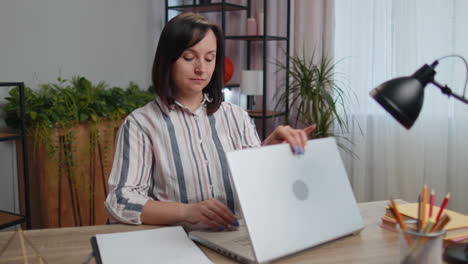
pixel 69 187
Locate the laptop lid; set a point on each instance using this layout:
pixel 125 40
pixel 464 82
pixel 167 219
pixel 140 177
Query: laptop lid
pixel 293 202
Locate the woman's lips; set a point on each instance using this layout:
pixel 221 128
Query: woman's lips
pixel 197 80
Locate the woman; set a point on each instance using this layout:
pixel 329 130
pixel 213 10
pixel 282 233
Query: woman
pixel 169 165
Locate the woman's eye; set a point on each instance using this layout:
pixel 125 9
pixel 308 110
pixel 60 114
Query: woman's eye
pixel 209 59
pixel 187 58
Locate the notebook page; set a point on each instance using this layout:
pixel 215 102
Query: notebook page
pixel 162 245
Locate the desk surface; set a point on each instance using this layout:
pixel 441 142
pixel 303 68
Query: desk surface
pixel 72 245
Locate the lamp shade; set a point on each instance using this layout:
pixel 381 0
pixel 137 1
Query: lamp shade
pixel 403 97
pixel 251 82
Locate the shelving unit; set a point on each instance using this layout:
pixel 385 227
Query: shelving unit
pixel 223 7
pixel 8 219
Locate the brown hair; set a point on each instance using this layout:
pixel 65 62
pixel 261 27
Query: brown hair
pixel 179 34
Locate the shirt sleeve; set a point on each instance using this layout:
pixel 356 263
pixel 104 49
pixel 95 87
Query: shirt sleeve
pixel 129 180
pixel 250 137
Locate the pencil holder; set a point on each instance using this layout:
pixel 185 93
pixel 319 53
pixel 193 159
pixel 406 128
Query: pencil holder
pixel 418 247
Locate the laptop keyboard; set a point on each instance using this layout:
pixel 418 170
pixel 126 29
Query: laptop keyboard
pixel 243 241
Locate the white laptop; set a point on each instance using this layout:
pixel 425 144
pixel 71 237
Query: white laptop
pixel 289 202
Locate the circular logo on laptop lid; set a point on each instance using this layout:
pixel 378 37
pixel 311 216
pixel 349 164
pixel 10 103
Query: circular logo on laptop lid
pixel 300 190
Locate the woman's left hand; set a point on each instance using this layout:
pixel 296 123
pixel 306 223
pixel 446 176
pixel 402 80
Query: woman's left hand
pixel 296 138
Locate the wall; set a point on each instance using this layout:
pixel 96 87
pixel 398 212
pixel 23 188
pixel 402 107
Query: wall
pixel 105 40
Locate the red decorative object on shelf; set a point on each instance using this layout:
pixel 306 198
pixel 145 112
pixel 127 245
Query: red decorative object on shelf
pixel 228 69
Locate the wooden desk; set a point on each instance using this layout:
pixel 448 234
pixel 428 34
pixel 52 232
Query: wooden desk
pixel 71 245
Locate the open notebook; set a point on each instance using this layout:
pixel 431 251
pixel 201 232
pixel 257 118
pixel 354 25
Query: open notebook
pixel 161 245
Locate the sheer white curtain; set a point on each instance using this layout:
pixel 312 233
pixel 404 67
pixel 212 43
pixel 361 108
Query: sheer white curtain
pixel 312 24
pixel 380 40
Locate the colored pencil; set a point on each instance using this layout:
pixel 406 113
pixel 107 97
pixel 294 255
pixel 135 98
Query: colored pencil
pixel 423 207
pixel 396 214
pixel 442 207
pixel 441 224
pixel 431 203
pixel 429 225
pixel 418 221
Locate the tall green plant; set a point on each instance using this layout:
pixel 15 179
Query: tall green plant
pixel 314 96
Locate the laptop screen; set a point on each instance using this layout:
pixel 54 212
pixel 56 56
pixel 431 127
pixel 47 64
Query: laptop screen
pixel 293 202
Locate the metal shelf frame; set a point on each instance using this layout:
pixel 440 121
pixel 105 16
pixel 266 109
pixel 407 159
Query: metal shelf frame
pixel 20 135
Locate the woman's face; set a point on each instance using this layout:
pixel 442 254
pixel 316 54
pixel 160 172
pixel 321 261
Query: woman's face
pixel 192 71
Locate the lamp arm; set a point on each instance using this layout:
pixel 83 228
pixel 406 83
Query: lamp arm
pixel 446 90
pixel 456 56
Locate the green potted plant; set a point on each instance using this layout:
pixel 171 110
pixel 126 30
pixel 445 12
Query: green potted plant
pixel 314 96
pixel 71 130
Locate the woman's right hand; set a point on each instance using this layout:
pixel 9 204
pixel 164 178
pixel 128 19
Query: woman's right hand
pixel 210 212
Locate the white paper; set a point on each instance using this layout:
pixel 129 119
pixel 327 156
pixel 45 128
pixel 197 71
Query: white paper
pixel 162 245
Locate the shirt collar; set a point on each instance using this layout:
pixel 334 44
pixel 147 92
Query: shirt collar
pixel 177 104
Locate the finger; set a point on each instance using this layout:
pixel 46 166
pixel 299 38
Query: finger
pixel 293 141
pixel 280 133
pixel 224 212
pixel 303 136
pixel 278 136
pixel 289 138
pixel 309 129
pixel 299 139
pixel 206 221
pixel 213 216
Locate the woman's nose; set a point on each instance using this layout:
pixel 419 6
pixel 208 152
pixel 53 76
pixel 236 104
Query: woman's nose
pixel 199 67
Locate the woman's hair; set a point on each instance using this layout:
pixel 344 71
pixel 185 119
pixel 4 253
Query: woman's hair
pixel 179 34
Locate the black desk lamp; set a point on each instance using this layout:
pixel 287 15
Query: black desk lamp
pixel 403 98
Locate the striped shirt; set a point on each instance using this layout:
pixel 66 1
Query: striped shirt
pixel 174 154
